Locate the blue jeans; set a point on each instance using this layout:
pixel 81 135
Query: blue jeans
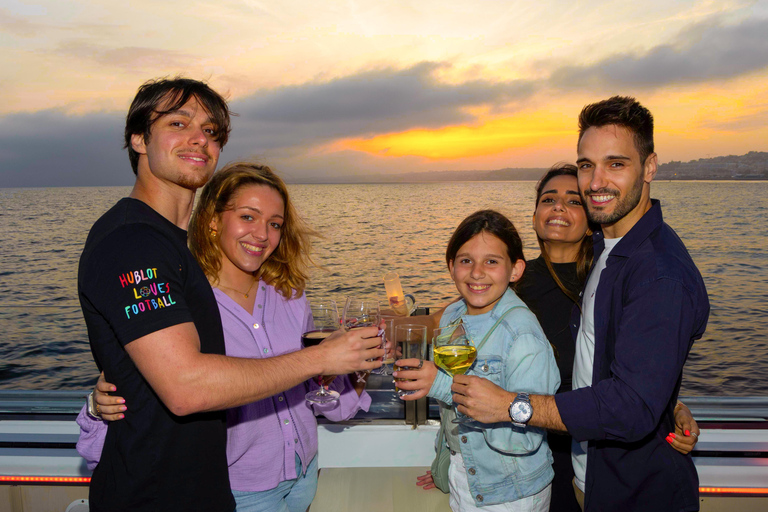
pixel 289 496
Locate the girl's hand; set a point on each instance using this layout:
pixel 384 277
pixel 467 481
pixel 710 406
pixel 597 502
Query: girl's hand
pixel 425 481
pixel 686 433
pixel 111 407
pixel 419 379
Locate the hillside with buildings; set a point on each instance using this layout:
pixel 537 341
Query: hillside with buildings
pixel 752 166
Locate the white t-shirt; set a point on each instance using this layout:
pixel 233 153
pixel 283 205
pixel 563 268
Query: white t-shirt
pixel 584 359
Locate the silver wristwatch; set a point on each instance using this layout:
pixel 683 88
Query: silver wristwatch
pixel 520 410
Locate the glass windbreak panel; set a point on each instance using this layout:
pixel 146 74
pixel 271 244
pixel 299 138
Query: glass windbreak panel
pixel 384 401
pixel 45 348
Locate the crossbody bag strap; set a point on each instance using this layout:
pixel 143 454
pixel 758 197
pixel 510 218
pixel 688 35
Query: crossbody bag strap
pixel 490 331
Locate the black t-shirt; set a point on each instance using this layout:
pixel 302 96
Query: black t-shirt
pixel 553 309
pixel 136 277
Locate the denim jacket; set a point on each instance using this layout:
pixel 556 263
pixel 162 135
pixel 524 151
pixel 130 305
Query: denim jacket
pixel 505 463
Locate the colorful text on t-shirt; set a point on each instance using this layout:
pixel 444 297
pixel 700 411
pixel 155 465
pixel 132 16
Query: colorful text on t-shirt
pixel 152 295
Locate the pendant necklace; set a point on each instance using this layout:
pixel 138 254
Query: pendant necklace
pixel 238 291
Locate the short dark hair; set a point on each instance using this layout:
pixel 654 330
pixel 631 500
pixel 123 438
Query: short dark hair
pixel 489 221
pixel 622 111
pixel 177 91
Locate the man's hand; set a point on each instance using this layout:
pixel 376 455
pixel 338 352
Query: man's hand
pixel 419 380
pixel 481 399
pixel 349 351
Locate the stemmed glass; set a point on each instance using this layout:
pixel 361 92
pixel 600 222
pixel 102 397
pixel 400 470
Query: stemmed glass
pixel 325 318
pixel 389 355
pixel 360 313
pixel 454 352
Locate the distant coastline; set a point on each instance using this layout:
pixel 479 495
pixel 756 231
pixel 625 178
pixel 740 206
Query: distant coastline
pixel 749 167
pixel 752 166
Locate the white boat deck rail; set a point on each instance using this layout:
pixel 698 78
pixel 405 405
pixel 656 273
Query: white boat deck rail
pixel 381 450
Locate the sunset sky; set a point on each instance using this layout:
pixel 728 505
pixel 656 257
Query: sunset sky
pixel 340 88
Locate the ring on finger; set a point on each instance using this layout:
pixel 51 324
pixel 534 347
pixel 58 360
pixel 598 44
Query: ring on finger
pixel 694 434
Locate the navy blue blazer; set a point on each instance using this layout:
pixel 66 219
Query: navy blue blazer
pixel 650 306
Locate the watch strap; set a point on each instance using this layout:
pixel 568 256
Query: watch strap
pixel 92 408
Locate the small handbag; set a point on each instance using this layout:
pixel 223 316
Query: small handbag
pixel 440 464
pixel 442 460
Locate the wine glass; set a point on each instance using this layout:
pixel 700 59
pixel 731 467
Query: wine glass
pixel 410 343
pixel 360 313
pixel 454 352
pixel 325 320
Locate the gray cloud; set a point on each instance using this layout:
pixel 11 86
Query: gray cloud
pixel 52 149
pixel 365 104
pixel 702 52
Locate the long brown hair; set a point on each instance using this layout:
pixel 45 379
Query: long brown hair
pixel 287 267
pixel 584 258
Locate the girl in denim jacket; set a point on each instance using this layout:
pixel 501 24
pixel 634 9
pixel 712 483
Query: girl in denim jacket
pixel 496 467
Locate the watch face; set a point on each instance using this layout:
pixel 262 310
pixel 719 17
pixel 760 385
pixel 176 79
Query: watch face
pixel 521 411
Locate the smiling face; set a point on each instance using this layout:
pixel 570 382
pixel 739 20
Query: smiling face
pixel 560 217
pixel 614 182
pixel 181 149
pixel 482 271
pixel 248 232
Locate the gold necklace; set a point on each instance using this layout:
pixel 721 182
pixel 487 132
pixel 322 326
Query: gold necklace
pixel 238 291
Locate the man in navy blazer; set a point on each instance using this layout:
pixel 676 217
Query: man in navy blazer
pixel 643 306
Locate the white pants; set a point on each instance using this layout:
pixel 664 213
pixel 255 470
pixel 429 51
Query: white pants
pixel 461 499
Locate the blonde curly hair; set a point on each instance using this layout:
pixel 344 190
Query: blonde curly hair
pixel 287 267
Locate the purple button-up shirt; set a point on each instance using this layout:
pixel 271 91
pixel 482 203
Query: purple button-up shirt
pixel 262 437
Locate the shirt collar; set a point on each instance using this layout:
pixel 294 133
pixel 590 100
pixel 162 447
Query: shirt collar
pixel 637 234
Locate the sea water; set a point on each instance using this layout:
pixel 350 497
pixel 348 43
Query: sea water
pixel 367 231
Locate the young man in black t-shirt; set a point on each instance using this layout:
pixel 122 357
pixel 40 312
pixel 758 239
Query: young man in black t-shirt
pixel 154 326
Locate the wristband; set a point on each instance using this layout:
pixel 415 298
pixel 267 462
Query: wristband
pixel 92 407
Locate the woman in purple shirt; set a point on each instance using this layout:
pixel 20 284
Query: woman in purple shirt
pixel 254 248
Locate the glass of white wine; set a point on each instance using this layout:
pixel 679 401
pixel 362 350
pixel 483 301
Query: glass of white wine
pixel 454 352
